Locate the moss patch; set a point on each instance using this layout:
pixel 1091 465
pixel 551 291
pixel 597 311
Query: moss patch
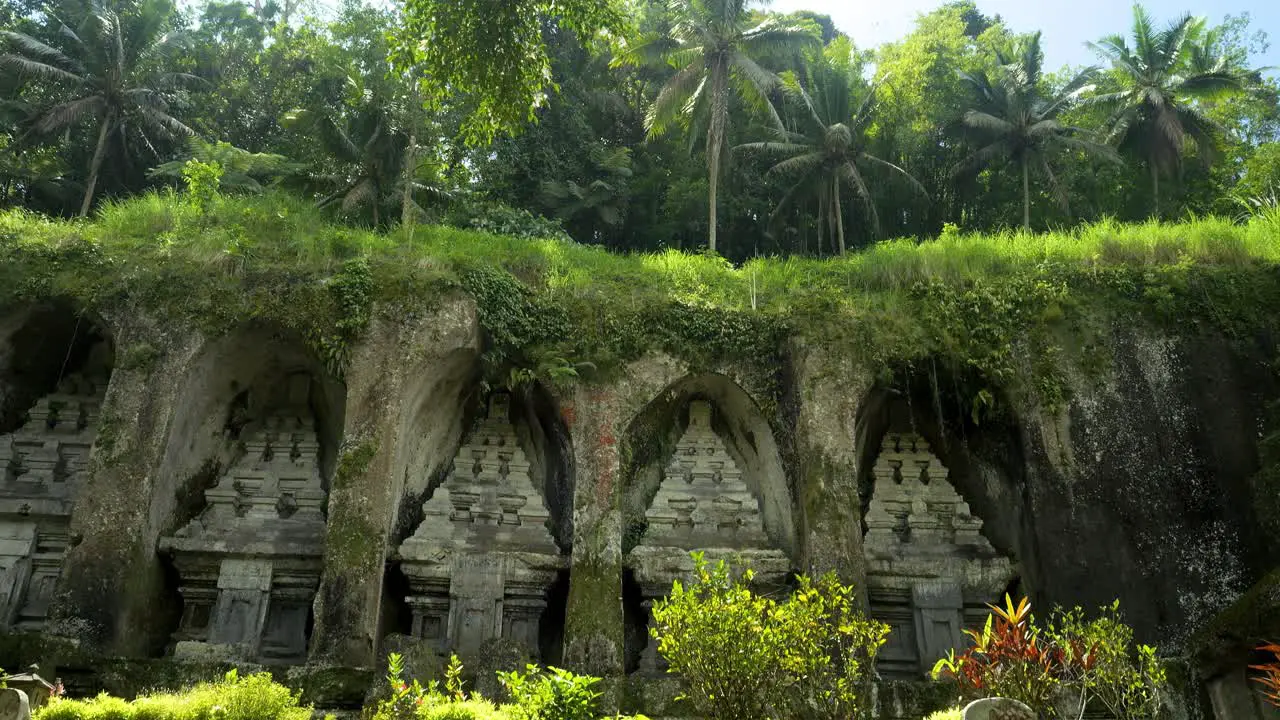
pixel 998 309
pixel 1246 623
pixel 594 623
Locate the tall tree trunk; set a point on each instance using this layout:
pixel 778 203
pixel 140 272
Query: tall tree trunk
pixel 712 181
pixel 835 182
pixel 715 139
pixel 1026 196
pixel 406 199
pixel 410 160
pixel 1155 188
pixel 96 164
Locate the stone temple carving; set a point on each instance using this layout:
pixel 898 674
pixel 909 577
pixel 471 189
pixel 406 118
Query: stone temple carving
pixel 481 562
pixel 42 466
pixel 929 569
pixel 702 504
pixel 250 563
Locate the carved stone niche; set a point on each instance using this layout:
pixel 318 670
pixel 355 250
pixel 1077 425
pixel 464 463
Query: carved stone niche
pixel 249 564
pixel 702 504
pixel 930 572
pixel 42 466
pixel 1233 697
pixel 482 561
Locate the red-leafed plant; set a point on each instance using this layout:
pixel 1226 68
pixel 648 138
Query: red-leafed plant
pixel 1068 663
pixel 1269 676
pixel 1007 659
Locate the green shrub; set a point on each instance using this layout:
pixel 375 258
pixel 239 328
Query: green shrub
pixel 748 656
pixel 464 710
pixel 1067 661
pixel 253 697
pixel 955 713
pixel 551 694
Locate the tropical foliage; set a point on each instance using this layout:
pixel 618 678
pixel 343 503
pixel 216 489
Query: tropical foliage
pixel 1155 84
pixel 744 654
pixel 1269 673
pixel 102 69
pixel 1061 667
pixel 828 156
pixel 1015 122
pixel 616 123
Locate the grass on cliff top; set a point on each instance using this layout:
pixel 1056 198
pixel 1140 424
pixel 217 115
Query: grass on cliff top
pixel 280 230
pixel 999 307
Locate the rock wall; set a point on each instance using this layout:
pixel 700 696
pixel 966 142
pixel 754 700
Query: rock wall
pixel 1142 486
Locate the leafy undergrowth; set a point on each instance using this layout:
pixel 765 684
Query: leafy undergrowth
pixel 545 696
pixel 252 697
pixel 993 306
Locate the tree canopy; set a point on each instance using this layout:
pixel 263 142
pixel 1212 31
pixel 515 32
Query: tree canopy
pixel 634 124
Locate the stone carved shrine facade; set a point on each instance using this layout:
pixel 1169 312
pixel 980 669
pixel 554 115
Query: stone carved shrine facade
pixel 482 561
pixel 42 467
pixel 250 563
pixel 930 571
pixel 702 504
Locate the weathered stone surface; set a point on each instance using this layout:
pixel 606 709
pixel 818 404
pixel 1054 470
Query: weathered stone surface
pixel 1140 488
pixel 927 561
pixel 1233 697
pixel 407 389
pixel 250 562
pixel 998 709
pixel 482 561
pixel 111 594
pixel 43 466
pixel 14 705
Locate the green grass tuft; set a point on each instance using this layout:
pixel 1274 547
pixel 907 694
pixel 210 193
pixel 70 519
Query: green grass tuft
pixel 991 306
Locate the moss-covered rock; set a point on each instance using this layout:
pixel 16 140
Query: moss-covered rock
pixel 1230 637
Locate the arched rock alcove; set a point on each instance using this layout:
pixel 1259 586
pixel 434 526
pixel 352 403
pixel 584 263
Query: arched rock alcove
pixel 240 501
pixel 704 473
pixel 55 363
pixel 941 495
pixel 486 522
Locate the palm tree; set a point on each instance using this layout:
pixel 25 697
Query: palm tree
pixel 369 149
pixel 1160 79
pixel 242 170
pixel 108 66
pixel 1018 123
pixel 828 154
pixel 600 201
pixel 715 45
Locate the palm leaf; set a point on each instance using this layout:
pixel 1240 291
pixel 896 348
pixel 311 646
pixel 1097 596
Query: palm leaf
pixel 26 66
pixel 799 163
pixel 68 113
pixel 32 49
pixel 673 98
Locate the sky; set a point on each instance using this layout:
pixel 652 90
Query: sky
pixel 1065 24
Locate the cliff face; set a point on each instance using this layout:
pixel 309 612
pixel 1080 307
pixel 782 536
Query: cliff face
pixel 1111 427
pixel 1145 488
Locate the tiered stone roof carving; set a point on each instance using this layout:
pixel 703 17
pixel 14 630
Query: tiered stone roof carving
pixel 250 563
pixel 488 501
pixel 42 466
pixel 929 569
pixel 481 562
pixel 914 509
pixel 702 501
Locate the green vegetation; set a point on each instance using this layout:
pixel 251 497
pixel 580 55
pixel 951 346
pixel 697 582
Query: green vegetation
pixel 745 655
pixel 986 306
pixel 252 697
pixel 632 126
pixel 536 694
pixel 1069 660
